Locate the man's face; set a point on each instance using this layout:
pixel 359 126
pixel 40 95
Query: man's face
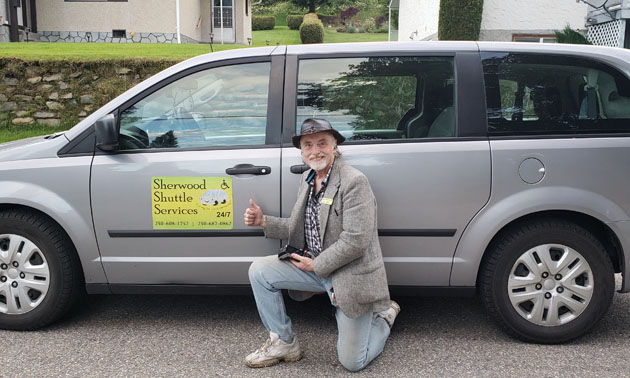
pixel 318 150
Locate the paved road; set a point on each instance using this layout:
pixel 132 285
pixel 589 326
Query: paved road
pixel 164 336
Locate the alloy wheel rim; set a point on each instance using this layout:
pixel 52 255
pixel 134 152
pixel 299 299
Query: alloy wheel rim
pixel 24 275
pixel 550 285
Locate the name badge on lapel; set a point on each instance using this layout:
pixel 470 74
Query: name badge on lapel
pixel 327 201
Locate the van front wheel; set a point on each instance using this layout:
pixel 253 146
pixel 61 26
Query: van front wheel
pixel 40 274
pixel 548 281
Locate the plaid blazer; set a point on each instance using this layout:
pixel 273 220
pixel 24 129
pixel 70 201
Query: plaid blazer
pixel 351 253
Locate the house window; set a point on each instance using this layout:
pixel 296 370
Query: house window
pixel 119 33
pixel 534 38
pixel 227 13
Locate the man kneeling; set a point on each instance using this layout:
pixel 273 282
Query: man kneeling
pixel 334 224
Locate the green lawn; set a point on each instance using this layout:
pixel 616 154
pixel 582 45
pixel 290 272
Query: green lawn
pixel 98 51
pixel 11 132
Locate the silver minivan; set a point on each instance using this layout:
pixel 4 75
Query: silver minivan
pixel 499 170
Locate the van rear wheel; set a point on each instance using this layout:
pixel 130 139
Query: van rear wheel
pixel 549 281
pixel 40 275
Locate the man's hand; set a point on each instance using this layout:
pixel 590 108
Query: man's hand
pixel 303 263
pixel 254 216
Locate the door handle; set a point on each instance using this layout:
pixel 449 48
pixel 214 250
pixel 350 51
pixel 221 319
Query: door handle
pixel 299 169
pixel 248 169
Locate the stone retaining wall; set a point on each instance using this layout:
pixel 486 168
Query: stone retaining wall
pixel 60 94
pixel 108 37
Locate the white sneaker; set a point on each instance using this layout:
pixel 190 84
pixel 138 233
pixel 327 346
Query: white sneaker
pixel 273 351
pixel 390 314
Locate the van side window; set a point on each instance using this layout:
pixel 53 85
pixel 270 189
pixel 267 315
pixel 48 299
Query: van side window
pixel 552 94
pixel 221 106
pixel 380 97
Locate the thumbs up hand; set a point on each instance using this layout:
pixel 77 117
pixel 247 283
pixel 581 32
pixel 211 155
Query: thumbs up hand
pixel 253 215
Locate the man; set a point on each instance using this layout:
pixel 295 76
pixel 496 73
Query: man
pixel 334 220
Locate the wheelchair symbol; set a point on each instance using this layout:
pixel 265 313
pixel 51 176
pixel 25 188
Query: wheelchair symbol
pixel 224 185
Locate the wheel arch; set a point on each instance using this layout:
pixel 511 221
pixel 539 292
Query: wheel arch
pixel 589 209
pixel 18 207
pixel 599 229
pixel 48 217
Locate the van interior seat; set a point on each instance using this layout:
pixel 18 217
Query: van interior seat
pixel 444 124
pixel 438 100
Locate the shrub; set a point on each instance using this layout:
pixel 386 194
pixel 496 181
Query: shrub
pixel 263 22
pixel 328 20
pixel 312 29
pixel 379 21
pixel 460 19
pixel 310 17
pixel 568 35
pixel 348 14
pixel 294 21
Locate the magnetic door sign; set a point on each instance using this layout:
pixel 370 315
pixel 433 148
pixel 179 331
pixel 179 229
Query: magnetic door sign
pixel 192 203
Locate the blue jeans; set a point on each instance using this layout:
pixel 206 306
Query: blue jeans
pixel 359 341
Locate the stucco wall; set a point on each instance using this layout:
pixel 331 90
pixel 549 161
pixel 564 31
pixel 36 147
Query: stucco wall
pixel 134 15
pixel 418 20
pixel 519 15
pixel 4 30
pixel 242 22
pixel 189 11
pixel 206 22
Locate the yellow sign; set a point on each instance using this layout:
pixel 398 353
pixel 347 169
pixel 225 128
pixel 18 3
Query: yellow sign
pixel 327 201
pixel 192 203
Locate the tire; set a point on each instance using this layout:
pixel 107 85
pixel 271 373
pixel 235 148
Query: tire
pixel 40 274
pixel 547 281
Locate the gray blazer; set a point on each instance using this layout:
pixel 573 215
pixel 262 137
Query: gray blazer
pixel 351 253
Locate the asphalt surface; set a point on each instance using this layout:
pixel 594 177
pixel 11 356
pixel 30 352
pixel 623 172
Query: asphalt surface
pixel 207 336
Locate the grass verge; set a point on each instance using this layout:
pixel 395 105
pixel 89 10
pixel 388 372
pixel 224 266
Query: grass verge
pixel 10 132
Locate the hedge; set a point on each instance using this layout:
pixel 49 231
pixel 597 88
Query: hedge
pixel 310 17
pixel 329 20
pixel 312 29
pixel 294 21
pixel 460 19
pixel 263 22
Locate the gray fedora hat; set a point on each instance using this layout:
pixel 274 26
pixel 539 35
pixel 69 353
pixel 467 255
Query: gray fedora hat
pixel 316 125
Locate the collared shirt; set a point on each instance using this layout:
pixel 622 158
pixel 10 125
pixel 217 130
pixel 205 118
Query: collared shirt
pixel 311 216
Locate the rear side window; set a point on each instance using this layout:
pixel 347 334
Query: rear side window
pixel 379 97
pixel 550 94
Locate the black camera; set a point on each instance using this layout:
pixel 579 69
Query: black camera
pixel 287 250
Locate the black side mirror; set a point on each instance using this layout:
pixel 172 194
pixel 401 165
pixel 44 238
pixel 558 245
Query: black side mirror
pixel 106 133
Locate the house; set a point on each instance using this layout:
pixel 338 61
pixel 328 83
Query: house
pixel 501 20
pixel 126 21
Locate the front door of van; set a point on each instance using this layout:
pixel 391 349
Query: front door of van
pixel 403 126
pixel 168 205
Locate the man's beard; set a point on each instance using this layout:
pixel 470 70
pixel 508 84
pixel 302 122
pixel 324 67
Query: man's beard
pixel 317 165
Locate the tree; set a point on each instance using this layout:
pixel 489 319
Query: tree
pixel 460 20
pixel 374 100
